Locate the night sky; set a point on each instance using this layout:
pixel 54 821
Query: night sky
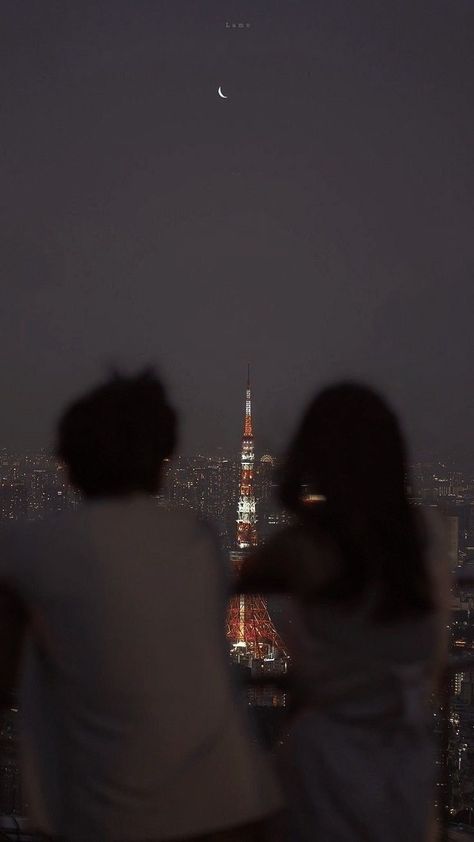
pixel 317 223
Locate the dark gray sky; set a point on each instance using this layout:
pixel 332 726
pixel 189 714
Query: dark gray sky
pixel 318 222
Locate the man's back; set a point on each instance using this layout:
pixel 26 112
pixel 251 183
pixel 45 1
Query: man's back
pixel 131 727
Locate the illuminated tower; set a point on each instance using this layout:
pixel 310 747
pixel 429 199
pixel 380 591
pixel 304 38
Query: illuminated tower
pixel 246 512
pixel 249 626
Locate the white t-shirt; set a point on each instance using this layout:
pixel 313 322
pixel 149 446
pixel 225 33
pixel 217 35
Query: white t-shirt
pixel 340 654
pixel 131 729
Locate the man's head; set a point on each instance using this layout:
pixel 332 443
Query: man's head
pixel 113 440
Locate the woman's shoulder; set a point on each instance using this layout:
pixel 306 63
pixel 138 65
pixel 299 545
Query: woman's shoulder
pixel 310 556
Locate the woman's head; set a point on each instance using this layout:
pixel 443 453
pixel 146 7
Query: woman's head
pixel 114 439
pixel 349 448
pixel 345 476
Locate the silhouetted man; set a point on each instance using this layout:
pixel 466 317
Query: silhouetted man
pixel 131 730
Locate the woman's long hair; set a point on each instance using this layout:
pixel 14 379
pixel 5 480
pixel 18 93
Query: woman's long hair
pixel 345 479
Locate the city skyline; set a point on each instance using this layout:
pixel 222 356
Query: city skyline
pixel 35 487
pixel 237 496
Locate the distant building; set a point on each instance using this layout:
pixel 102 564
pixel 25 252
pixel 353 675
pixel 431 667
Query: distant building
pixel 271 515
pixel 11 791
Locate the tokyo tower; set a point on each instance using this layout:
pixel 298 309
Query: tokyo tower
pixel 249 626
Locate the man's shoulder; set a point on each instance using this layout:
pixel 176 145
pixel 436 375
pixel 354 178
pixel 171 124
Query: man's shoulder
pixel 184 524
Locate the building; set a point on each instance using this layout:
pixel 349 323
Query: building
pixel 250 630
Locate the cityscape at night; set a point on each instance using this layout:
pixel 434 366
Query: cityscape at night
pixel 237 496
pixel 236 429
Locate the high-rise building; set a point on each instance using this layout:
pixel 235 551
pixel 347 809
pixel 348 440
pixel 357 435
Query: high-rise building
pixel 452 528
pixel 250 629
pixel 11 794
pixel 271 515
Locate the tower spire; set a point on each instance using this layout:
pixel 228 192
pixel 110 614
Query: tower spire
pixel 248 426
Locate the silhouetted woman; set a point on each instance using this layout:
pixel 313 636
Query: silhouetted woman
pixel 367 633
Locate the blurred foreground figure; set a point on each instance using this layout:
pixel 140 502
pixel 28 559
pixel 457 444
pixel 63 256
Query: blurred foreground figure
pixel 131 729
pixel 368 631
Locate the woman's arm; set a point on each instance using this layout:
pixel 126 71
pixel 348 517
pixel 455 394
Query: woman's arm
pixel 267 569
pixel 295 561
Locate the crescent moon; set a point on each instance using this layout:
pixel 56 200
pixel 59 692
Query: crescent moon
pixel 219 91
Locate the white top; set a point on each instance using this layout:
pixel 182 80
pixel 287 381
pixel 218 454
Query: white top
pixel 342 658
pixel 131 726
pixel 360 755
